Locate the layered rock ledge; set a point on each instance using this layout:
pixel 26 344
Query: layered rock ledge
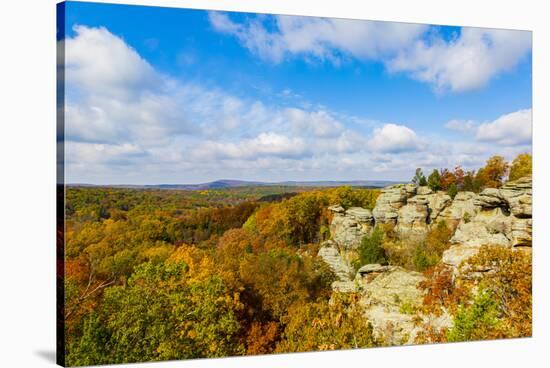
pixel 501 217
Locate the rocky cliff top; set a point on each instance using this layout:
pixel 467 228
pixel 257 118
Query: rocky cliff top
pixel 501 217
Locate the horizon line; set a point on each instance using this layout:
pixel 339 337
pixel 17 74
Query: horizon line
pixel 241 181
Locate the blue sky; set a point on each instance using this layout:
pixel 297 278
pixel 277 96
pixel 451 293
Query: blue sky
pixel 164 95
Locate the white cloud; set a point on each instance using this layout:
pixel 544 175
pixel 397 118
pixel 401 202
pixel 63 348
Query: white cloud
pixel 462 63
pixel 324 38
pixel 463 126
pixel 318 123
pixel 265 144
pixel 146 121
pixel 142 126
pixel 393 138
pixel 466 62
pixel 222 23
pixel 508 130
pixel 95 59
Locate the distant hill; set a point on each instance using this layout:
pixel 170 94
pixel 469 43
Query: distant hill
pixel 225 183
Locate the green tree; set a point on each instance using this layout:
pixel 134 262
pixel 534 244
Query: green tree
pixel 453 190
pixel 419 178
pixel 161 314
pixel 469 184
pixel 371 250
pixel 434 180
pixel 476 321
pixel 89 349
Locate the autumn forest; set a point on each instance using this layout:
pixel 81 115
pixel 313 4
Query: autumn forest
pixel 177 274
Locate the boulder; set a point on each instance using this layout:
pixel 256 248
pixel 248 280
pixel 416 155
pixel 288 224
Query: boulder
pixel 458 253
pixel 522 232
pixel 490 198
pixel 361 215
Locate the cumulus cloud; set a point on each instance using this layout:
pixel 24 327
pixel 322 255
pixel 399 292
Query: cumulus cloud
pixel 129 123
pixel 393 138
pixel 509 130
pixel 95 59
pixel 114 95
pixel 126 113
pixel 467 61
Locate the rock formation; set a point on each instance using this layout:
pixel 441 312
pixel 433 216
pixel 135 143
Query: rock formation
pixel 389 295
pixel 349 227
pixel 412 218
pixel 390 201
pixel 330 253
pixel 460 209
pixel 501 217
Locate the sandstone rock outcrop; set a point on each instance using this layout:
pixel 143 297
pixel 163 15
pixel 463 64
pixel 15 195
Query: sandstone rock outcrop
pixel 437 202
pixel 412 219
pixel 390 201
pixel 501 217
pixel 389 294
pixel 488 226
pixel 330 253
pixel 461 209
pixel 493 217
pixel 519 196
pixel 349 227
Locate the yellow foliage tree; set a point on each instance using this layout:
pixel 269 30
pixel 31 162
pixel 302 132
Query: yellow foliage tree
pixel 521 166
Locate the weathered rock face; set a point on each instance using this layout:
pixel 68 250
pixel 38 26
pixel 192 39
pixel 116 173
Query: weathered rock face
pixel 501 217
pixel 461 208
pixel 495 216
pixel 454 256
pixel 519 196
pixel 489 226
pixel 388 294
pixel 412 219
pixel 522 232
pixel 349 227
pixel 331 255
pixel 437 202
pixel 390 201
pixel 424 190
